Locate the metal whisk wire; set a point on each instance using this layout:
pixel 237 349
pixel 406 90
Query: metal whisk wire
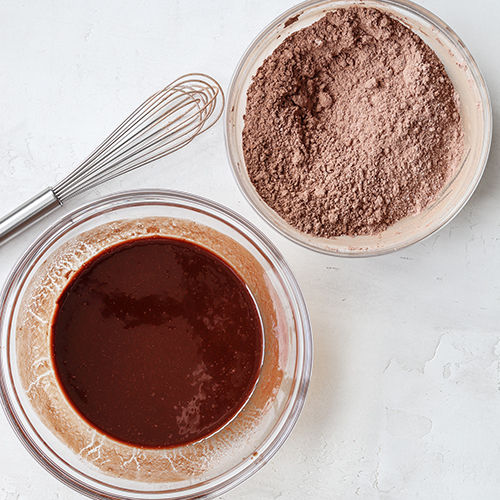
pixel 164 123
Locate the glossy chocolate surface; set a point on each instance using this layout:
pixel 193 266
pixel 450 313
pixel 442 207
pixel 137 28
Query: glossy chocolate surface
pixel 157 342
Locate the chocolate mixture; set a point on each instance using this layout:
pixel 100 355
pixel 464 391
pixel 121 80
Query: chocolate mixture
pixel 351 124
pixel 157 342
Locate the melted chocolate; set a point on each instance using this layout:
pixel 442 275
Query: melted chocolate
pixel 157 342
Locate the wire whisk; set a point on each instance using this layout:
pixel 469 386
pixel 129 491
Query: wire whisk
pixel 164 123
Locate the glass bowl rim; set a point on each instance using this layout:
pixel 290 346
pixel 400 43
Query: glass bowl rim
pixel 403 5
pixel 282 428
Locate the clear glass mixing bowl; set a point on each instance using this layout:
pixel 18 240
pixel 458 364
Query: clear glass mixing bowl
pixel 91 462
pixel 475 113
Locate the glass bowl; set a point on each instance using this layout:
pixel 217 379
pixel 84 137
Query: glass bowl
pixel 91 462
pixel 475 114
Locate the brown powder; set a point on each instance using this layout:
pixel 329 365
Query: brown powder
pixel 351 124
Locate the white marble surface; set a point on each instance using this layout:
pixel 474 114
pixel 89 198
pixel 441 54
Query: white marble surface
pixel 404 401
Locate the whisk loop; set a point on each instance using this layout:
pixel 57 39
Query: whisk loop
pixel 164 123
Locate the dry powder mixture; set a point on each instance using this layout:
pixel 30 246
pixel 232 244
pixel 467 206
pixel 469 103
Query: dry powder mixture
pixel 351 124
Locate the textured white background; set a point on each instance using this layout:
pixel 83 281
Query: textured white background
pixel 404 402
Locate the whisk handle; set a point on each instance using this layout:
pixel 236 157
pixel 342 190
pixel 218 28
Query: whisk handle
pixel 27 214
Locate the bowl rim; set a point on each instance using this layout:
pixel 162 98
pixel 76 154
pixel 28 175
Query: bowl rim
pixel 303 365
pixel 283 227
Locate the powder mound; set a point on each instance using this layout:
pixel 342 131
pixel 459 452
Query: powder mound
pixel 351 124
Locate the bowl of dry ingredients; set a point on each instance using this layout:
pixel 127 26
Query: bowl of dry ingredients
pixel 154 345
pixel 357 128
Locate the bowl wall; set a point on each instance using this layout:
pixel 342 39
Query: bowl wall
pixel 91 462
pixel 475 113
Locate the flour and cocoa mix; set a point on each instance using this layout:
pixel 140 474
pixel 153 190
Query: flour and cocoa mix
pixel 351 124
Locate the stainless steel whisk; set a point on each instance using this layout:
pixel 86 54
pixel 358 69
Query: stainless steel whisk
pixel 164 123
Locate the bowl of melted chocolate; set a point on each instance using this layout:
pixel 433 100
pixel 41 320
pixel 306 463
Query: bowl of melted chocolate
pixel 154 345
pixel 357 128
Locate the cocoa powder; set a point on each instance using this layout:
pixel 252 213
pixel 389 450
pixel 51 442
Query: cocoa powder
pixel 351 124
